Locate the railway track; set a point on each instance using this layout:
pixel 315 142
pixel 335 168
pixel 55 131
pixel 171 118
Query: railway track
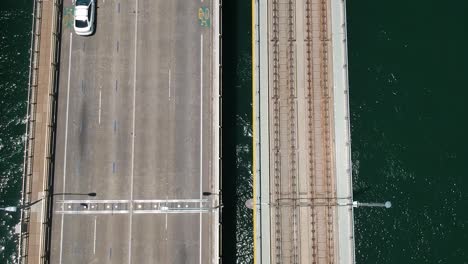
pixel 289 204
pixel 330 190
pixel 310 121
pixel 284 100
pixel 276 129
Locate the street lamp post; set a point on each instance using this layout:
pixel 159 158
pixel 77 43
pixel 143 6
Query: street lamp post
pixel 220 205
pixel 24 206
pixel 387 204
pixel 8 209
pixel 249 204
pixel 210 194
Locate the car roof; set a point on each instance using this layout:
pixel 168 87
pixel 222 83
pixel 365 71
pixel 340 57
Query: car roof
pixel 81 12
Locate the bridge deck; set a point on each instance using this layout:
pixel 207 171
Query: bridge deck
pixel 301 180
pixel 131 114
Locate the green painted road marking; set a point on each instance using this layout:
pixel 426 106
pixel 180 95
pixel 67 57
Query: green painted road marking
pixel 204 16
pixel 68 17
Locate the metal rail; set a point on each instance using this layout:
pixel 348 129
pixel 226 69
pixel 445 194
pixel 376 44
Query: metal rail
pixel 51 132
pixel 293 133
pixel 276 128
pixel 310 124
pixel 25 221
pixel 324 37
pixel 284 91
pixel 322 199
pixel 30 131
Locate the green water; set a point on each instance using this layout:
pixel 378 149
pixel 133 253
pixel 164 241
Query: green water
pixel 237 132
pixel 408 75
pixel 15 25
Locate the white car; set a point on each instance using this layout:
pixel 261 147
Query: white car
pixel 85 12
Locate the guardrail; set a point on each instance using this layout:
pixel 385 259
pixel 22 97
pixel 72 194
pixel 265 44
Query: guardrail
pixel 348 114
pixel 51 132
pixel 218 131
pixel 30 131
pixel 50 118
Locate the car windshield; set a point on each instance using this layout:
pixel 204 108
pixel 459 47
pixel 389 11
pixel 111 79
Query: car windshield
pixel 81 23
pixel 83 2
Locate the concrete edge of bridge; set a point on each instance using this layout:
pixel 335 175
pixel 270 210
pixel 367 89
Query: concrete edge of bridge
pixel 342 118
pixel 260 120
pixel 35 214
pixel 217 146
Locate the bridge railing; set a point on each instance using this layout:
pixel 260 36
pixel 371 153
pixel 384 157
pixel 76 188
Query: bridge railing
pixel 31 133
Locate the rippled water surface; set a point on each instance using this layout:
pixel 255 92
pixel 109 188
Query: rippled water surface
pixel 15 25
pixel 408 84
pixel 237 132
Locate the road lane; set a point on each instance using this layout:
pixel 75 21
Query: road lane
pixel 139 128
pixel 168 142
pixel 98 153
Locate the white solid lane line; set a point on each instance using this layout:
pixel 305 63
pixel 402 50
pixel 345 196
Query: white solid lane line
pixel 95 225
pixel 169 84
pixel 201 138
pixel 100 105
pixel 66 144
pixel 133 138
pixel 167 198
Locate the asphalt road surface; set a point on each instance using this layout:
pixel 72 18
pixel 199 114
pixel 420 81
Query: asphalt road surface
pixel 135 122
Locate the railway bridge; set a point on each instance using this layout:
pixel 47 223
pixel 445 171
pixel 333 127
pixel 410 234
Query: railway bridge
pixel 302 202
